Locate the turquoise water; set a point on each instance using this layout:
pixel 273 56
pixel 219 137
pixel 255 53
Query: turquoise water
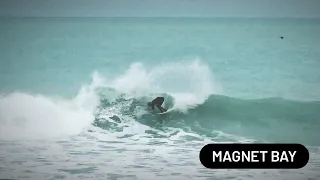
pixel 74 94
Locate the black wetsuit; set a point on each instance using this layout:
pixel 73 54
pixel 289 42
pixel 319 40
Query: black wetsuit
pixel 158 102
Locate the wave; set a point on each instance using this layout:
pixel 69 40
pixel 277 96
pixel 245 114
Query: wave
pixel 25 115
pixel 270 119
pixel 118 106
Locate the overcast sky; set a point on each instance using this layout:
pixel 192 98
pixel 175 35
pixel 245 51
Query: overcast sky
pixel 160 8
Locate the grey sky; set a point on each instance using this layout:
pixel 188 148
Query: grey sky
pixel 160 8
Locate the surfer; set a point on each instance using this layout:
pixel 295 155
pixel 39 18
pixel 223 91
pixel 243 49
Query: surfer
pixel 157 102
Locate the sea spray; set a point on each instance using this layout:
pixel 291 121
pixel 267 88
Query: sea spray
pixel 189 82
pixel 37 116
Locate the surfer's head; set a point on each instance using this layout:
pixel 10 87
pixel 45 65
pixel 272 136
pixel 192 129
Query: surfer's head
pixel 149 104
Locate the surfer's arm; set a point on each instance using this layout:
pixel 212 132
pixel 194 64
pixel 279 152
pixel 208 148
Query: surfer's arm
pixel 162 109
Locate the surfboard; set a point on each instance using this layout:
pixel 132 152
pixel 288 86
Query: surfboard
pixel 169 110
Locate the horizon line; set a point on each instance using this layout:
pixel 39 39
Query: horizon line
pixel 208 17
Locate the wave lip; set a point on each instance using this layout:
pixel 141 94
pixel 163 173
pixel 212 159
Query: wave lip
pixel 189 82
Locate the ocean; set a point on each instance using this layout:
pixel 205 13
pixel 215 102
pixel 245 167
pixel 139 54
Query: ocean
pixel 74 94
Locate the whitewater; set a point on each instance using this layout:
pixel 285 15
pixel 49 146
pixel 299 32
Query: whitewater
pixel 74 94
